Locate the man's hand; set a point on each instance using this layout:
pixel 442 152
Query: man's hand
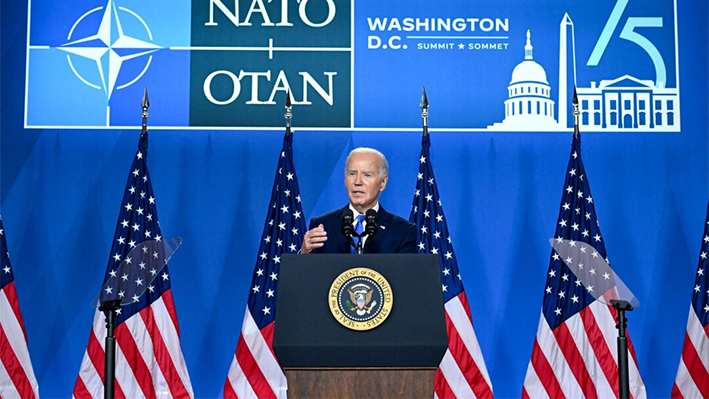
pixel 313 239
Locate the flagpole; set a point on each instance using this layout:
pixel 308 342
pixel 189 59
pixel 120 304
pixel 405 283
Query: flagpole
pixel 424 112
pixel 110 307
pixel 619 305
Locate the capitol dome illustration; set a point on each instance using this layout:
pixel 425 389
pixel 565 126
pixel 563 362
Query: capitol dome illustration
pixel 529 105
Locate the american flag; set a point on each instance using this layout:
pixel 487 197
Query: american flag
pixel 17 378
pixel 149 360
pixel 575 350
pixel 462 372
pixel 692 379
pixel 255 371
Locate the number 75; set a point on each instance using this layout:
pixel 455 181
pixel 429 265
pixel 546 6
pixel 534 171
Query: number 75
pixel 629 34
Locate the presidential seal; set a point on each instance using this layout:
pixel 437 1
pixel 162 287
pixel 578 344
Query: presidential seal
pixel 360 299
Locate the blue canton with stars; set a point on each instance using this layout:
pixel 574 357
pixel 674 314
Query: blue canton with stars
pixel 427 214
pixel 283 233
pixel 137 224
pixel 565 294
pixel 6 275
pixel 700 296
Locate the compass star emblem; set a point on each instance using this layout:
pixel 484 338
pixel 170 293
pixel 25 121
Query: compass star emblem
pixel 110 47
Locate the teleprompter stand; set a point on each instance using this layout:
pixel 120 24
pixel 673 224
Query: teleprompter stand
pixel 109 384
pixel 623 376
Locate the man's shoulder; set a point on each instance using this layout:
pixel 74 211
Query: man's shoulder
pixel 396 220
pixel 332 215
pixel 393 218
pixel 401 236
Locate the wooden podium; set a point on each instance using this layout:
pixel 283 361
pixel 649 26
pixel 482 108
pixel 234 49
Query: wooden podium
pixel 324 359
pixel 370 383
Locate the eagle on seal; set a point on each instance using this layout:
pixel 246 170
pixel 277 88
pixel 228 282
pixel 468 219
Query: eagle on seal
pixel 361 297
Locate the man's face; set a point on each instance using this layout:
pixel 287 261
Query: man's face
pixel 363 182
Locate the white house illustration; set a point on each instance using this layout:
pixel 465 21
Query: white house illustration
pixel 628 103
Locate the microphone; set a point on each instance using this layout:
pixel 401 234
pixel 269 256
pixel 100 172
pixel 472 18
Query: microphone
pixel 347 221
pixel 371 217
pixel 347 228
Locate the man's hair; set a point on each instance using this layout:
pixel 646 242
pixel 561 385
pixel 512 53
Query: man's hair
pixel 383 164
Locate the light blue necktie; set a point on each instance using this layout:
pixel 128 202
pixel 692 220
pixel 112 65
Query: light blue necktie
pixel 358 228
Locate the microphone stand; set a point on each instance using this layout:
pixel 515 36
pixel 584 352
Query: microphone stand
pixel 109 385
pixel 349 232
pixel 360 247
pixel 623 377
pixel 370 231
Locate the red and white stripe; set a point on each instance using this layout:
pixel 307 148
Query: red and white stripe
pixel 17 378
pixel 254 371
pixel 462 372
pixel 692 379
pixel 149 360
pixel 579 358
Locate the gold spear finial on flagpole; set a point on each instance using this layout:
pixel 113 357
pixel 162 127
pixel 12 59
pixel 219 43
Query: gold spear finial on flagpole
pixel 288 113
pixel 575 103
pixel 145 105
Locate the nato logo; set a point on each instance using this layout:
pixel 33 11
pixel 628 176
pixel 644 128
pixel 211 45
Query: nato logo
pixel 205 63
pixel 88 62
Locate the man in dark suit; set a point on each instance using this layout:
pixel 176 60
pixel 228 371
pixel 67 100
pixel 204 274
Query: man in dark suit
pixel 366 176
